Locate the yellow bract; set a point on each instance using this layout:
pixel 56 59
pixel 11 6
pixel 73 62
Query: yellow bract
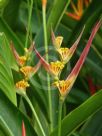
pixel 26 50
pixel 58 41
pixel 56 67
pixel 64 53
pixel 22 84
pixel 22 60
pixel 27 70
pixel 62 86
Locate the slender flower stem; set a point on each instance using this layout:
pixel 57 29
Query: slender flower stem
pixel 47 58
pixel 45 30
pixel 29 22
pixel 35 114
pixel 59 116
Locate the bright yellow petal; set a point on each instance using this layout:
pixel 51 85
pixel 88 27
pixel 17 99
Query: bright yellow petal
pixel 22 84
pixel 56 68
pixel 58 41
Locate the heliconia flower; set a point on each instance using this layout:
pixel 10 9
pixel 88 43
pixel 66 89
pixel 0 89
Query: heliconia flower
pixel 65 86
pixel 22 85
pixel 66 53
pixel 28 71
pixel 78 10
pixel 57 41
pixel 21 60
pixel 54 68
pixel 23 129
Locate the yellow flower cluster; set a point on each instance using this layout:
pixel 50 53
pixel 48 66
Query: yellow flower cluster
pixel 27 71
pixel 24 68
pixel 63 52
pixel 22 84
pixel 22 60
pixel 65 55
pixel 57 67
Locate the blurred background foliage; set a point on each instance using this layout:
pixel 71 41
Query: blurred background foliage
pixel 13 24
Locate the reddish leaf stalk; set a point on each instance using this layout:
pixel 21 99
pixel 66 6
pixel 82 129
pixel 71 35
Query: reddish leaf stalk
pixel 16 55
pixel 82 58
pixel 43 61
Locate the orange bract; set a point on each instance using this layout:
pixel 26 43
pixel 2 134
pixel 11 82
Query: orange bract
pixel 78 9
pixel 44 2
pixel 64 53
pixel 56 67
pixel 27 70
pixel 22 84
pixel 22 60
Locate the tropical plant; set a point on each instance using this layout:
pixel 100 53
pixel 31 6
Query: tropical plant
pixel 50 68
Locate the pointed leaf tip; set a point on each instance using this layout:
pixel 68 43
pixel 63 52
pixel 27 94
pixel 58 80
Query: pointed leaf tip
pixel 84 54
pixel 42 60
pixel 23 129
pixel 16 55
pixel 74 46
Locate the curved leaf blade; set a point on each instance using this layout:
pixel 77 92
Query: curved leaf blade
pixel 80 114
pixel 11 119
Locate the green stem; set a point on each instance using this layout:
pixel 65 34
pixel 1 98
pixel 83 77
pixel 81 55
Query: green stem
pixel 29 22
pixel 59 116
pixel 34 113
pixel 47 58
pixel 45 31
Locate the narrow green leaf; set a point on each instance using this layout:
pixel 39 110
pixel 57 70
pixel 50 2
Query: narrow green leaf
pixel 6 53
pixel 7 83
pixel 11 119
pixel 93 126
pixel 11 12
pixel 4 27
pixel 75 118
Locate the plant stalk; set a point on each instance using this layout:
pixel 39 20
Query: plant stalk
pixel 34 113
pixel 47 58
pixel 29 23
pixel 60 116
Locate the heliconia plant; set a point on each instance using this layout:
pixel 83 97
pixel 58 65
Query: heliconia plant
pixel 64 86
pixel 37 93
pixel 56 67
